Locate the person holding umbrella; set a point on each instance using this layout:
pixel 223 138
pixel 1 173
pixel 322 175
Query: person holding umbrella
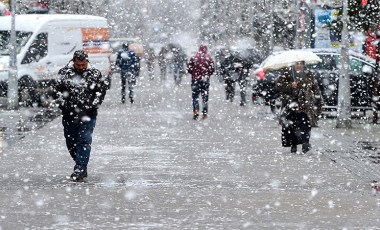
pixel 302 104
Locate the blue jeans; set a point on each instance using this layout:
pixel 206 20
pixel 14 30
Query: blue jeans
pixel 78 136
pixel 200 87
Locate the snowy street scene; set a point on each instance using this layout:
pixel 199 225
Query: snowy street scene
pixel 153 167
pixel 204 114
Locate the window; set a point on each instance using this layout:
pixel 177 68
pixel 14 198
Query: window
pixel 356 66
pixel 21 39
pixel 37 50
pixel 329 62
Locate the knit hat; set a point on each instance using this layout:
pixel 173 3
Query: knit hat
pixel 80 54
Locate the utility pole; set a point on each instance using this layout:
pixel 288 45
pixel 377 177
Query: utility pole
pixel 297 37
pixel 344 91
pixel 12 78
pixel 271 28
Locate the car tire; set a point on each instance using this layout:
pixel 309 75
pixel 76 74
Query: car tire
pixel 27 91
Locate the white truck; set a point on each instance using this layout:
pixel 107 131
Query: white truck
pixel 46 43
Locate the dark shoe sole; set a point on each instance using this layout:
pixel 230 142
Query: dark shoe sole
pixel 78 177
pixel 293 149
pixel 306 148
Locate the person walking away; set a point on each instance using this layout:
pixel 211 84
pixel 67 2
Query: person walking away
pixel 179 62
pixel 302 103
pixel 242 66
pixel 150 61
pixel 80 91
pixel 129 65
pixel 162 62
pixel 201 67
pixel 219 57
pixel 230 76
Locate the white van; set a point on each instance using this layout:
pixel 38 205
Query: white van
pixel 46 43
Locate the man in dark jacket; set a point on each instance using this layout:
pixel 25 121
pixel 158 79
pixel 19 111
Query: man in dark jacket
pixel 80 91
pixel 201 67
pixel 129 65
pixel 230 70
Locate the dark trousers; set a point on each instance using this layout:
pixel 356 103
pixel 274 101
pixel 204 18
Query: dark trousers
pixel 78 136
pixel 200 87
pixel 150 66
pixel 163 72
pixel 296 129
pixel 130 78
pixel 243 89
pixel 229 88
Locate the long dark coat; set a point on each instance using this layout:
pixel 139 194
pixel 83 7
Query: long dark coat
pixel 301 106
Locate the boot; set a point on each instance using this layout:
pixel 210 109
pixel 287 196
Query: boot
pixel 78 175
pixel 306 147
pixel 195 114
pixel 293 149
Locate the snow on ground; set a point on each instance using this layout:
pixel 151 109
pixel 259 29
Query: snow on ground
pixel 153 167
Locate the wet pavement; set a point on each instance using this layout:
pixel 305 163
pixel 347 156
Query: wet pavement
pixel 16 124
pixel 153 167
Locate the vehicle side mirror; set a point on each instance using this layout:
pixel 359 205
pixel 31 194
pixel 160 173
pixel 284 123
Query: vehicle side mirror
pixel 367 69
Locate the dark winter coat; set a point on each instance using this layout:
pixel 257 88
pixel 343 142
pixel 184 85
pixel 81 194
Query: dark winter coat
pixel 128 61
pixel 306 98
pixel 79 95
pixel 179 61
pixel 201 66
pixel 234 68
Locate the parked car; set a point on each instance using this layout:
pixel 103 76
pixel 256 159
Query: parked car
pixel 361 72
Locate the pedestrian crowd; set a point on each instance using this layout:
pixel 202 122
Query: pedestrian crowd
pixel 81 88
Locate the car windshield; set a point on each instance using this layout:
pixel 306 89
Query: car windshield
pixel 21 40
pixel 334 62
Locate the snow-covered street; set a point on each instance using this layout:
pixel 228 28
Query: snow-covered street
pixel 153 167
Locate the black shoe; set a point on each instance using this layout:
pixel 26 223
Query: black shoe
pixel 78 176
pixel 195 114
pixel 293 149
pixel 306 147
pixel 131 100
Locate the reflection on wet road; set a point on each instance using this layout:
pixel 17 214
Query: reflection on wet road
pixel 15 124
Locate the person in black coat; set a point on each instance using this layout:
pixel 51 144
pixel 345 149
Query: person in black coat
pixel 80 91
pixel 302 103
pixel 129 64
pixel 227 70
